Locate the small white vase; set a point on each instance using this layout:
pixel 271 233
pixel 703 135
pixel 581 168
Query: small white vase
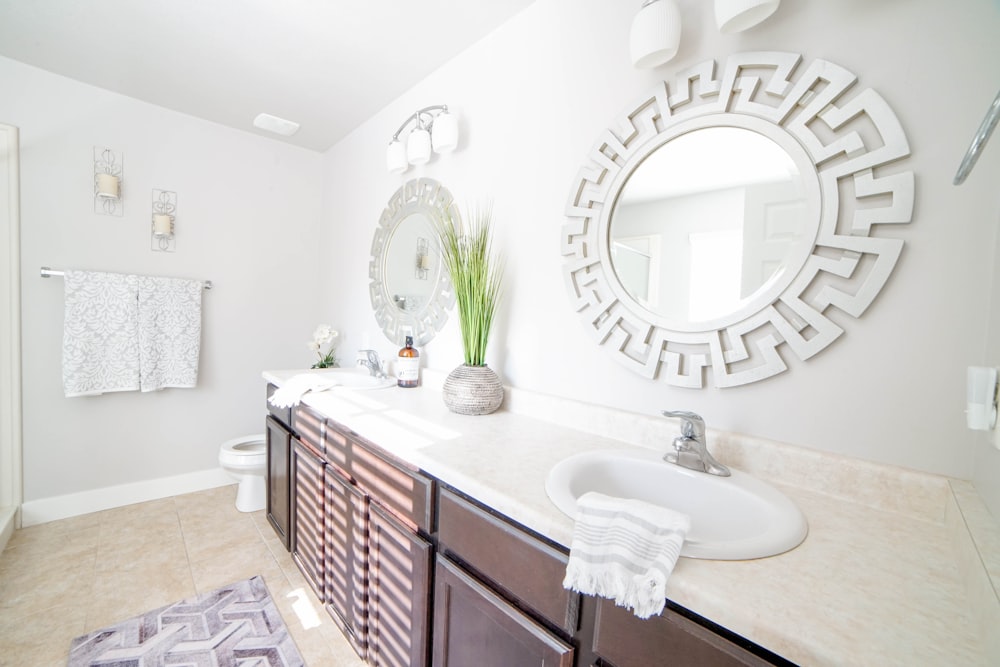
pixel 472 390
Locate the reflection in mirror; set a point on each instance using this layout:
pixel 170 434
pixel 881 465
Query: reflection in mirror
pixel 708 221
pixel 410 292
pixel 412 263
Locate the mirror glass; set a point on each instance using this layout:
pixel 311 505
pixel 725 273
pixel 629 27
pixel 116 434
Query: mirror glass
pixel 409 289
pixel 709 226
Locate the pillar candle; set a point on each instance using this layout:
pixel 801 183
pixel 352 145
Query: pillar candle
pixel 161 224
pixel 107 185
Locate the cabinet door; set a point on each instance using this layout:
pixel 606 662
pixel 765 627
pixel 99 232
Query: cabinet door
pixel 399 591
pixel 474 626
pixel 278 501
pixel 345 545
pixel 307 511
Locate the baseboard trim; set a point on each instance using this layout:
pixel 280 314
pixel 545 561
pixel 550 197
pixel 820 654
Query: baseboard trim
pixel 8 522
pixel 34 512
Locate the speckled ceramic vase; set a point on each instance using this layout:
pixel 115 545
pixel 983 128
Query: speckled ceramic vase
pixel 472 390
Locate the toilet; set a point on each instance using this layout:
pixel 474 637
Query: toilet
pixel 245 459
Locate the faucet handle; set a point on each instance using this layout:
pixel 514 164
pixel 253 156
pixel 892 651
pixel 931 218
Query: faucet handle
pixel 692 425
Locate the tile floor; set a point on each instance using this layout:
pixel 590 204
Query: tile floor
pixel 63 579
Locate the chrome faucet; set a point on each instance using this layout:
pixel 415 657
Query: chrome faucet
pixel 690 450
pixel 369 359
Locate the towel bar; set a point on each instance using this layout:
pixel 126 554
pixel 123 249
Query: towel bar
pixel 48 273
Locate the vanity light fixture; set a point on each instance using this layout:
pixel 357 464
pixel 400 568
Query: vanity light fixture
pixel 108 169
pixel 435 130
pixel 656 33
pixel 738 15
pixel 164 214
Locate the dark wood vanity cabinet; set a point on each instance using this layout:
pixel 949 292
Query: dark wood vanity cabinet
pixel 415 573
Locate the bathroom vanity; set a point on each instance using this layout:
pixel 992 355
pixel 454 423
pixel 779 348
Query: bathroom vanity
pixel 429 539
pixel 414 571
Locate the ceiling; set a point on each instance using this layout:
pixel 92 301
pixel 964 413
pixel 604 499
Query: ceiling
pixel 328 65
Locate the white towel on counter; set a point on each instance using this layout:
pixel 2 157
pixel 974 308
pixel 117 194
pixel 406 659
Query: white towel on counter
pixel 169 332
pixel 292 391
pixel 625 550
pixel 100 350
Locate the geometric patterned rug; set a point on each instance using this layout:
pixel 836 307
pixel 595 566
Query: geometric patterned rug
pixel 236 625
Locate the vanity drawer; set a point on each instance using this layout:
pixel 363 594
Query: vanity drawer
pixel 624 639
pixel 514 561
pixel 406 493
pixel 284 415
pixel 310 426
pixel 338 445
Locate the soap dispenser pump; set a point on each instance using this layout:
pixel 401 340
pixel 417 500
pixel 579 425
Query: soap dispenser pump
pixel 408 365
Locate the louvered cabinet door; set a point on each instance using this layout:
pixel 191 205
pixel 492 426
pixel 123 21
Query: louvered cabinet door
pixel 399 592
pixel 346 571
pixel 307 514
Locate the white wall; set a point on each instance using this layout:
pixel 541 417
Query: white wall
pixel 533 98
pixel 248 214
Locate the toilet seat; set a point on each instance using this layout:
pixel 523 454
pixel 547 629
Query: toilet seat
pixel 250 451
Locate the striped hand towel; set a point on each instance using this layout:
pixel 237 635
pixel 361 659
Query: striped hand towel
pixel 625 550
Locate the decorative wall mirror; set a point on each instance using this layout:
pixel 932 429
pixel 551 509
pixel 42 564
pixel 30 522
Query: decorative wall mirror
pixel 409 288
pixel 722 215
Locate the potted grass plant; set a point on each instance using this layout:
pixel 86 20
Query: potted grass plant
pixel 476 275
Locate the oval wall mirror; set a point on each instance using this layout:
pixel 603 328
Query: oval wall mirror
pixel 409 289
pixel 722 215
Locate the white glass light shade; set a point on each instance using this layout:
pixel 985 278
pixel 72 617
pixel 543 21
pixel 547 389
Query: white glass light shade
pixel 737 15
pixel 444 133
pixel 395 157
pixel 418 146
pixel 656 33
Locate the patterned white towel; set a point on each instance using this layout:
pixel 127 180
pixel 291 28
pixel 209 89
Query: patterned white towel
pixel 292 391
pixel 625 550
pixel 169 332
pixel 100 348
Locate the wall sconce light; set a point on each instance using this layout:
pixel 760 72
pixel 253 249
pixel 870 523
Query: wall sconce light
pixel 162 229
pixel 656 33
pixel 434 129
pixel 738 15
pixel 108 169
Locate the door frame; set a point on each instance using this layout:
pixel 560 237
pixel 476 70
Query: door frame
pixel 11 485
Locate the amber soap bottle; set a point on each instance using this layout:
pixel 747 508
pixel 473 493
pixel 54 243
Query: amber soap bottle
pixel 408 365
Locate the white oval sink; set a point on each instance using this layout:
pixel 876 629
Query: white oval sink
pixel 732 518
pixel 353 378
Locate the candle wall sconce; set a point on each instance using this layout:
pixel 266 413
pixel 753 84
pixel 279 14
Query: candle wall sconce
pixel 108 170
pixel 162 223
pixel 423 258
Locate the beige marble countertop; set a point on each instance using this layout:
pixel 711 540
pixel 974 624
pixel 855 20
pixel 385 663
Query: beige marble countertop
pixel 889 573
